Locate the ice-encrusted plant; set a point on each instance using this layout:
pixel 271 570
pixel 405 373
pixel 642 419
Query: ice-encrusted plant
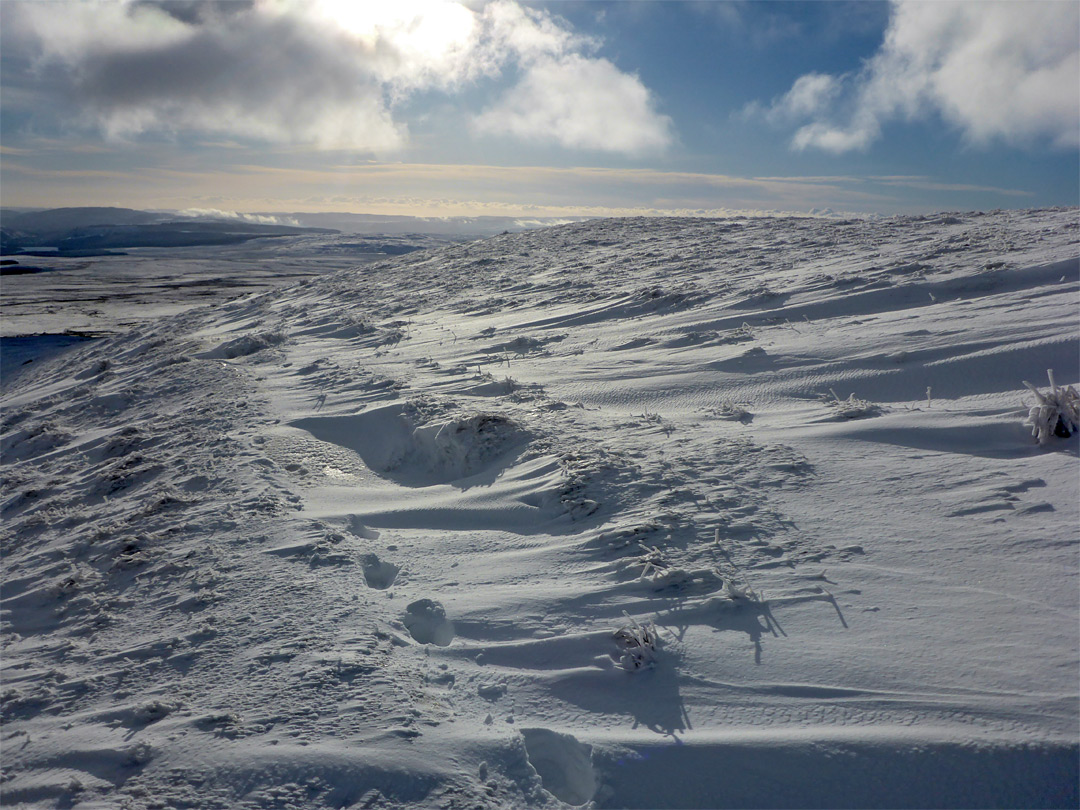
pixel 852 407
pixel 651 560
pixel 730 411
pixel 651 418
pixel 741 593
pixel 639 643
pixel 1055 413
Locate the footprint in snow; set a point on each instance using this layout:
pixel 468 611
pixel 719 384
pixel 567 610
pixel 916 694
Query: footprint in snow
pixel 378 574
pixel 563 764
pixel 426 621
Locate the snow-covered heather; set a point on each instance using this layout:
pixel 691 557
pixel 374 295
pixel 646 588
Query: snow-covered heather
pixel 639 513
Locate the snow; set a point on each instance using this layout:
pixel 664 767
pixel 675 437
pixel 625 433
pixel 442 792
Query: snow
pixel 620 513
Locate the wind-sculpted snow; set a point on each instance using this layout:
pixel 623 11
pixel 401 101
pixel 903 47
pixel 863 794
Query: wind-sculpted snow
pixel 637 513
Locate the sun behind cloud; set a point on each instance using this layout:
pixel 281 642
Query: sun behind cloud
pixel 456 107
pixel 332 74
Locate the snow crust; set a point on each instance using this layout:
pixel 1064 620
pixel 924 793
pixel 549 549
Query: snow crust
pixel 390 537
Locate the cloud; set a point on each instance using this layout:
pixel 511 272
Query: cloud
pixel 450 190
pixel 997 72
pixel 529 33
pixel 932 185
pixel 809 94
pixel 330 74
pixel 565 97
pixel 217 213
pixel 580 103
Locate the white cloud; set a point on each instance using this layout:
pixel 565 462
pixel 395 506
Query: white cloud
pixel 529 33
pixel 580 103
pixel 406 45
pixel 217 213
pixel 836 139
pixel 997 71
pixel 323 73
pixel 565 97
pixel 809 94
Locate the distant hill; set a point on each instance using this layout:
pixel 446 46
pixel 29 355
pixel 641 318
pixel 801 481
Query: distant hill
pixel 79 230
pixel 105 228
pixel 65 219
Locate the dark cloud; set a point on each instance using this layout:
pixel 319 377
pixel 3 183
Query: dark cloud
pixel 194 12
pixel 328 73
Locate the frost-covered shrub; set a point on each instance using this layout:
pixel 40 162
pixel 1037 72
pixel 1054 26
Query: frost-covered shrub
pixel 1056 412
pixel 741 593
pixel 652 562
pixel 639 643
pixel 730 411
pixel 852 407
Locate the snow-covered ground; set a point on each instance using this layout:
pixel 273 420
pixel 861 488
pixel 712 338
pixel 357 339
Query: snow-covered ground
pixel 103 294
pixel 643 513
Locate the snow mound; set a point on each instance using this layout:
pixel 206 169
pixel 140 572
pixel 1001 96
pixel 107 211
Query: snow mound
pixel 563 764
pixel 245 345
pixel 449 448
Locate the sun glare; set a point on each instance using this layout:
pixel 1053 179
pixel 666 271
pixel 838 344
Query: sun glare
pixel 427 30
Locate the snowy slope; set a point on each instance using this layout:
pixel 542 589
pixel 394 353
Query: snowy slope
pixel 108 294
pixel 368 541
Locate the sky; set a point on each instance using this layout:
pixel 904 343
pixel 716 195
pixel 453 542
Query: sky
pixel 507 108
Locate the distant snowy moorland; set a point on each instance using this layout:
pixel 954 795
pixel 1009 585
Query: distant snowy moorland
pixel 651 513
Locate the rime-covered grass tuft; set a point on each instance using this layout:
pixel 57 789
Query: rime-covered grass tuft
pixel 1055 413
pixel 639 643
pixel 852 407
